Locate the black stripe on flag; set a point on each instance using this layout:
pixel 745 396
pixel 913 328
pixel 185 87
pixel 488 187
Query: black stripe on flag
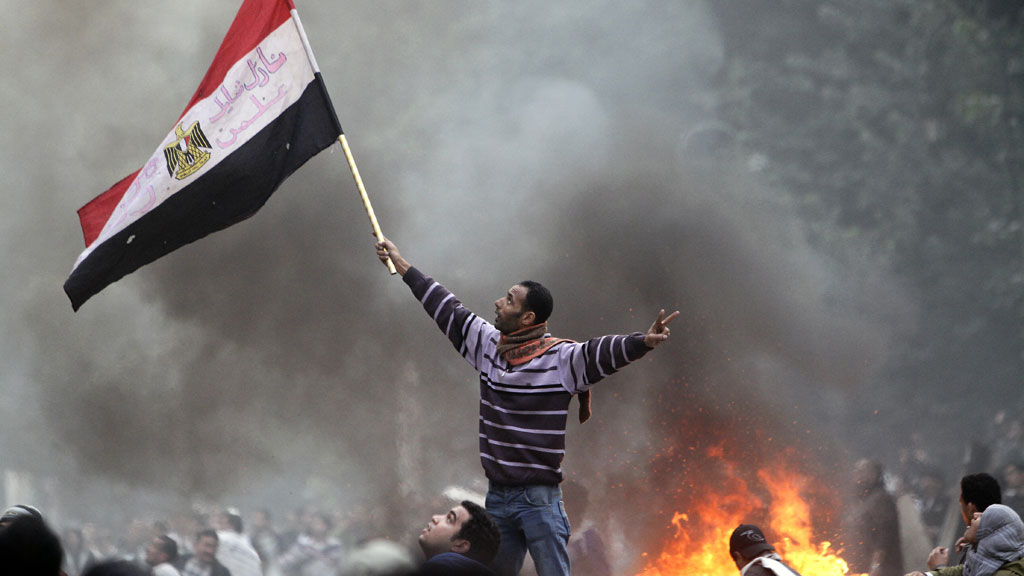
pixel 230 192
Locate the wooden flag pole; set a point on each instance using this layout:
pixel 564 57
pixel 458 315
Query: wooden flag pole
pixel 342 139
pixel 366 198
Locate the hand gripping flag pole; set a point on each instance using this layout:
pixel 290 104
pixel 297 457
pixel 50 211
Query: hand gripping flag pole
pixel 344 146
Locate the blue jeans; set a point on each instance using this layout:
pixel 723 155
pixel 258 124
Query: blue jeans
pixel 530 518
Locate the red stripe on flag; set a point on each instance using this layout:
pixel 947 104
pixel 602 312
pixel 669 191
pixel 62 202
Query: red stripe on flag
pixel 233 189
pixel 256 19
pixel 95 214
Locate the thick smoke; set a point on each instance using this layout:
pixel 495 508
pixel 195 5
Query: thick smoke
pixel 573 143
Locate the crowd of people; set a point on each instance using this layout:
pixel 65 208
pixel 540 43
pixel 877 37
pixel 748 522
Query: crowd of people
pixel 214 540
pixel 311 542
pixel 460 541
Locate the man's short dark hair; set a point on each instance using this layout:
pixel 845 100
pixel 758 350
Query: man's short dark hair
pixel 980 489
pixel 207 533
pixel 169 547
pixel 538 300
pixel 234 519
pixel 482 533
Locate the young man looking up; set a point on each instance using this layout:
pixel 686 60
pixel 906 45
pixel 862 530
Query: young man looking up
pixel 462 542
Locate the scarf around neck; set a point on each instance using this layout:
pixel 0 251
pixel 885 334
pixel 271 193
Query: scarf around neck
pixel 524 345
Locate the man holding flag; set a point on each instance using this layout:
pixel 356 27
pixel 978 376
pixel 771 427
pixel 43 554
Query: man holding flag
pixel 527 379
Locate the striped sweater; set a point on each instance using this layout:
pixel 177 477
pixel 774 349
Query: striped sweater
pixel 523 409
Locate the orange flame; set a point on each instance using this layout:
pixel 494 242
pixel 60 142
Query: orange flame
pixel 700 545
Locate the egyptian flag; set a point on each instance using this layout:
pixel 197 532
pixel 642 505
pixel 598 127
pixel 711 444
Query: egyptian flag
pixel 259 114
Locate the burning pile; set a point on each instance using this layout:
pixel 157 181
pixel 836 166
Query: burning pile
pixel 700 545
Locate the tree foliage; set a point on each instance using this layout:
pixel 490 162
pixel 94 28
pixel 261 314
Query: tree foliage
pixel 898 123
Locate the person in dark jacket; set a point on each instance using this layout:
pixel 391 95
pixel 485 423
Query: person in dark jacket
pixel 204 561
pixel 872 528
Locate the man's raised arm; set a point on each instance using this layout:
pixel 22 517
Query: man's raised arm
pixel 465 330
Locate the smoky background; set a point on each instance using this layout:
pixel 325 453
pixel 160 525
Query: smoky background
pixel 276 363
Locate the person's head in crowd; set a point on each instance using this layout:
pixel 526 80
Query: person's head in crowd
pixel 19 511
pixel 867 474
pixel 259 519
pixel 205 546
pixel 229 520
pixel 28 546
pixel 977 493
pixel 466 529
pixel 161 549
pixel 295 519
pixel 319 525
pixel 997 537
pixel 116 568
pixel 746 543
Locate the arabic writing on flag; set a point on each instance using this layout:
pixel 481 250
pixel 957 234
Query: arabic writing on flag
pixel 259 114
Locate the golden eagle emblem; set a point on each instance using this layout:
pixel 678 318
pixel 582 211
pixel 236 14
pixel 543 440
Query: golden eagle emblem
pixel 186 154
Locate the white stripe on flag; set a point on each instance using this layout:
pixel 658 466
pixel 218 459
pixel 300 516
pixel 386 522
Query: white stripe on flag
pixel 255 91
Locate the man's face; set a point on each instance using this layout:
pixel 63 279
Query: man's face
pixel 436 538
pixel 967 510
pixel 206 549
pixel 508 310
pixel 155 553
pixel 865 475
